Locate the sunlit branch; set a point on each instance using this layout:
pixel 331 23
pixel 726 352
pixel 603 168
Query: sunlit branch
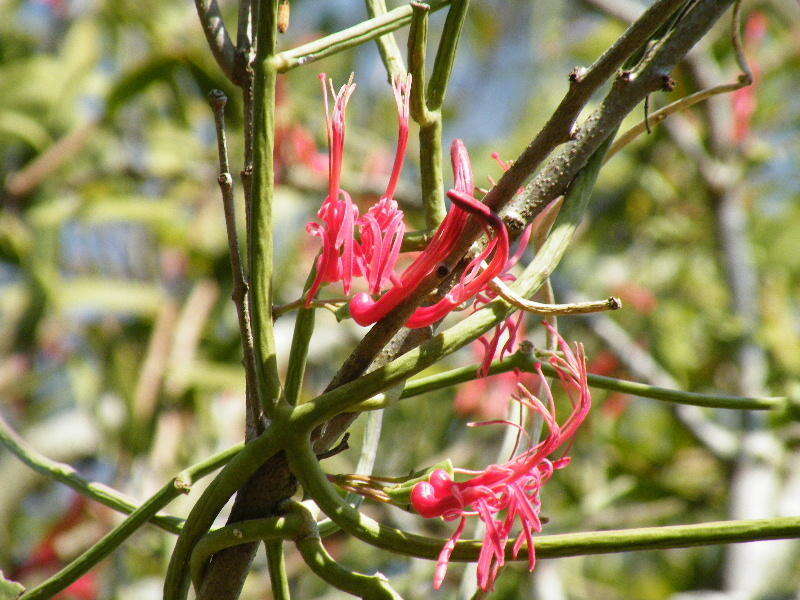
pixel 575 308
pixel 347 38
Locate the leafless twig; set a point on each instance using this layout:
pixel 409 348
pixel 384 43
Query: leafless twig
pixel 239 295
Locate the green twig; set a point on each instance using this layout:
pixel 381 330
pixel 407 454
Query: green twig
pixel 253 530
pixel 276 566
pixel 353 36
pixel 369 587
pixel 527 362
pixel 662 113
pixel 446 54
pixel 67 475
pixel 427 98
pixel 417 50
pixel 260 244
pixel 387 45
pixel 430 125
pixel 235 474
pixel 144 513
pixel 298 354
pixel 417 240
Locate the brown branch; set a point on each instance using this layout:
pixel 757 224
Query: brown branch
pixel 744 79
pixel 217 37
pixel 582 85
pixel 627 91
pixel 239 295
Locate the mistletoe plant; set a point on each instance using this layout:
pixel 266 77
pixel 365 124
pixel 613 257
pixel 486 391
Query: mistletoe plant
pixel 469 258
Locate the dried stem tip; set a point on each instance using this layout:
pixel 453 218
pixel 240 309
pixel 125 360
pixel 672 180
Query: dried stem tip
pixel 217 99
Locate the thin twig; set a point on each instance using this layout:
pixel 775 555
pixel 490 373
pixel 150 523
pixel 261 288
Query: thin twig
pixel 582 85
pixel 67 475
pixel 744 79
pixel 217 37
pixel 446 54
pixel 276 566
pixel 662 113
pixel 528 362
pixel 227 571
pixel 244 28
pixel 239 294
pixel 387 45
pixel 111 541
pixel 541 308
pixel 347 38
pixel 331 304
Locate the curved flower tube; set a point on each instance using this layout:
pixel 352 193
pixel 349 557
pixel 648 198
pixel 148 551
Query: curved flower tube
pixel 366 311
pixel 513 487
pixel 472 281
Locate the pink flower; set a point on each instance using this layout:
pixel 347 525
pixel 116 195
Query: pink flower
pixel 512 488
pixel 338 214
pixel 366 311
pixel 382 228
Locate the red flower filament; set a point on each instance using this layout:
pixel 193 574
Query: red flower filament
pixel 513 487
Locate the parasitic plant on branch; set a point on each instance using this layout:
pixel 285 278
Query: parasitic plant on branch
pixel 474 274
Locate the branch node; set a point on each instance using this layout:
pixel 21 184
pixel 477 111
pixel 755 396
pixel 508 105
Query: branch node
pixel 667 83
pixel 577 74
pixel 182 483
pixel 218 99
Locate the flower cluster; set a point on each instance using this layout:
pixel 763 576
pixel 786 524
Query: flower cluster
pixel 344 257
pixel 374 252
pixel 513 488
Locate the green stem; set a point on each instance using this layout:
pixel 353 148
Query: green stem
pixel 430 167
pixel 417 240
pixel 347 38
pixel 446 53
pixel 369 587
pixel 146 512
pixel 430 122
pixel 387 45
pixel 243 532
pixel 260 244
pixel 417 50
pixel 298 354
pixel 235 474
pixel 276 565
pixel 305 466
pixel 427 98
pixel 67 475
pixel 526 362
